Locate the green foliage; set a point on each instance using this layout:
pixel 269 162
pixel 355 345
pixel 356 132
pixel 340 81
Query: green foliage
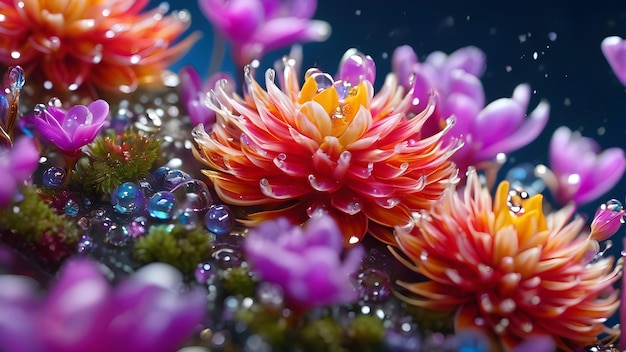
pixel 432 320
pixel 115 159
pixel 175 245
pixel 366 333
pixel 238 281
pixel 322 335
pixel 33 218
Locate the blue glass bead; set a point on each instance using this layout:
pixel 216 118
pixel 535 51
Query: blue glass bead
pixel 137 227
pixel 147 185
pixel 160 173
pixel 219 219
pixel 4 107
pixel 524 177
pixel 127 198
pixel 173 178
pixel 117 236
pixel 161 205
pixel 16 79
pixel 187 217
pixel 226 257
pixel 71 208
pixel 54 177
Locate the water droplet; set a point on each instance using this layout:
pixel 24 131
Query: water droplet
pixel 226 257
pixel 71 208
pixel 219 219
pixel 524 177
pixel 323 80
pixel 39 109
pixel 16 79
pixel 117 236
pixel 127 198
pixel 54 177
pixel 161 205
pixel 374 285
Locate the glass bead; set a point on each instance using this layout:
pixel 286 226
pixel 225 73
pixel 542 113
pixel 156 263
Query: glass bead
pixel 193 195
pixel 147 185
pixel 374 285
pixel 161 205
pixel 71 208
pixel 187 217
pixel 205 272
pixel 54 177
pixel 173 178
pixel 219 219
pixel 117 236
pixel 127 198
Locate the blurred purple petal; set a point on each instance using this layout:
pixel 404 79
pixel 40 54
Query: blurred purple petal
pixel 614 50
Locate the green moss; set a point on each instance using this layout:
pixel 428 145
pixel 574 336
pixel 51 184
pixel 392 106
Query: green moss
pixel 175 245
pixel 432 320
pixel 115 159
pixel 365 333
pixel 33 218
pixel 269 324
pixel 238 281
pixel 322 335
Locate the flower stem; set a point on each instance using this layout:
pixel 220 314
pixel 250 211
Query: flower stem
pixel 70 162
pixel 217 55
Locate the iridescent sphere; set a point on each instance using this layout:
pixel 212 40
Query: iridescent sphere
pixel 127 198
pixel 54 177
pixel 161 205
pixel 219 219
pixel 525 177
pixel 374 285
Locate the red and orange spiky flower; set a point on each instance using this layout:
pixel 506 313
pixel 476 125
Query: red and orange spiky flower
pixel 329 145
pixel 510 270
pixel 86 44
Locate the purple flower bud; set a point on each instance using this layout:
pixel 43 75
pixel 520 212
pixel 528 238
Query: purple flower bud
pixel 608 219
pixel 614 50
pixel 16 165
pixel 356 67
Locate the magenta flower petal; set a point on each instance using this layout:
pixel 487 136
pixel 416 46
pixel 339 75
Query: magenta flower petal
pixel 582 173
pixel 469 59
pixel 402 61
pixel 72 129
pixel 497 120
pixel 614 50
pixel 607 220
pixel 16 165
pixel 526 132
pixel 467 84
pixel 307 264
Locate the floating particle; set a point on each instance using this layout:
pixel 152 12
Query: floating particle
pixel 552 36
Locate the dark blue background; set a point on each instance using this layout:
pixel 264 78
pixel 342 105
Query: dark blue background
pixel 569 68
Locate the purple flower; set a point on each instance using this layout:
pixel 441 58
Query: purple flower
pixel 194 94
pixel 607 220
pixel 72 129
pixel 16 165
pixel 82 312
pixel 614 50
pixel 581 172
pixel 307 264
pixel 453 80
pixel 255 27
